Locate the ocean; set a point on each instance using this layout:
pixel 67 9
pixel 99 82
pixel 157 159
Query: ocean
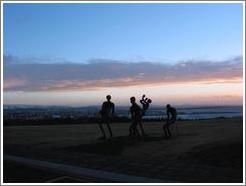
pixel 198 112
pixel 154 112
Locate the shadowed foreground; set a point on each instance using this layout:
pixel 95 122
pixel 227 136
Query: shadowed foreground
pixel 204 151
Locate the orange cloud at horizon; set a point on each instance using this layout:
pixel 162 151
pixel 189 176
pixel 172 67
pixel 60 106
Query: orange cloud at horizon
pixel 78 85
pixel 177 94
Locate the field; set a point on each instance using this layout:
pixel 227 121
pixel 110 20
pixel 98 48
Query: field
pixel 201 151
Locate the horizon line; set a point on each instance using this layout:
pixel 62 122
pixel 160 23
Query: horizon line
pixel 122 105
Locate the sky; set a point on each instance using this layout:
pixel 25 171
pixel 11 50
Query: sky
pixel 76 54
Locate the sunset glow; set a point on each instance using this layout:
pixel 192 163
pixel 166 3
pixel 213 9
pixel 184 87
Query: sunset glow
pixel 179 94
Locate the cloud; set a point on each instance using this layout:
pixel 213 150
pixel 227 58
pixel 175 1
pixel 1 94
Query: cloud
pixel 37 75
pixel 14 84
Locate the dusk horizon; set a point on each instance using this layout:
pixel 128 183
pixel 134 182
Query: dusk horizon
pixel 223 79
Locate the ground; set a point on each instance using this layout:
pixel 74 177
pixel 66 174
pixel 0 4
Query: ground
pixel 201 151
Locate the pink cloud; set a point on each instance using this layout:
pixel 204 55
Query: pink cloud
pixel 13 83
pixel 101 74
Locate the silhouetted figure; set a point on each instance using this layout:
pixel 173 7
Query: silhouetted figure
pixel 136 114
pixel 170 120
pixel 145 103
pixel 106 112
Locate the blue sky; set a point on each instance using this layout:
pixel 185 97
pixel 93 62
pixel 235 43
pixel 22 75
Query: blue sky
pixel 75 54
pixel 132 32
